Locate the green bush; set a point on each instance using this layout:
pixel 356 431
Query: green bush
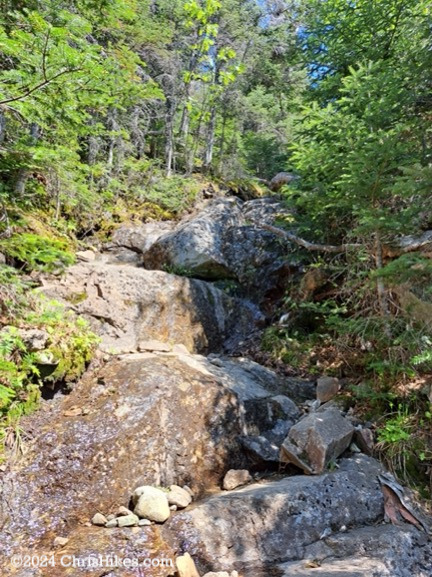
pixel 175 194
pixel 37 252
pixel 68 349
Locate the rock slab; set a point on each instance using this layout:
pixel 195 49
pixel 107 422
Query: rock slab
pixel 263 524
pixel 128 306
pixel 316 440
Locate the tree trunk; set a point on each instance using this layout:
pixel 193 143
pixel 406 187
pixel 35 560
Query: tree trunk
pixel 24 172
pixel 2 127
pixel 210 140
pixel 381 290
pixel 222 141
pixel 169 136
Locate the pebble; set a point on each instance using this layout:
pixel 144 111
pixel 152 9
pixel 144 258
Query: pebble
pixel 128 520
pixel 86 255
pixel 186 566
pixel 189 490
pixel 151 503
pixel 327 388
pixel 60 541
pixel 123 512
pixel 111 524
pixel 179 497
pixel 99 520
pixel 236 478
pixel 144 522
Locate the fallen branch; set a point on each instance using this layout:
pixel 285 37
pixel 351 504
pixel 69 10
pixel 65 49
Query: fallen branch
pixel 410 243
pixel 335 249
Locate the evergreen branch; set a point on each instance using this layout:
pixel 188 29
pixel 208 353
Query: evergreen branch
pixel 39 86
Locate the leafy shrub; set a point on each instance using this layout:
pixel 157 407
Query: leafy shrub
pixel 175 194
pixel 68 349
pixel 37 252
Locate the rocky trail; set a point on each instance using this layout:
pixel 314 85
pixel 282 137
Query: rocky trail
pixel 168 403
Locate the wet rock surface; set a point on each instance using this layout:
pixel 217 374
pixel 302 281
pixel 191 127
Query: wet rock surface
pixel 127 306
pixel 177 422
pixel 151 421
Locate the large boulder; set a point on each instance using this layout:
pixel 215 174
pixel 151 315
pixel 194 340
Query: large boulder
pixel 142 420
pixel 316 440
pixel 197 245
pixel 262 524
pixel 138 237
pixel 128 305
pixel 381 551
pixel 265 210
pixel 269 412
pixel 226 241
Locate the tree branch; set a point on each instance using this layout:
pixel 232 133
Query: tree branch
pixel 409 243
pixel 39 86
pixel 309 245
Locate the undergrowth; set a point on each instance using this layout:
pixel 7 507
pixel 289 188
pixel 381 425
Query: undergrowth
pixel 65 346
pixel 385 362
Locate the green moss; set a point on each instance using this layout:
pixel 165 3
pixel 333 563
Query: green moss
pixel 77 298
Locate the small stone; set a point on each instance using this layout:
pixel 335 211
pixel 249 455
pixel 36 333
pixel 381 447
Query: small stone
pixel 173 507
pixel 364 439
pixel 217 362
pixel 326 533
pixel 73 412
pixel 123 512
pixel 111 517
pixel 60 541
pixel 144 522
pixel 111 524
pixel 87 524
pixel 316 440
pixel 179 497
pixel 186 566
pixel 86 255
pixel 327 388
pixel 151 503
pixel 154 346
pixel 2 258
pixel 236 478
pixel 128 520
pixel 99 520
